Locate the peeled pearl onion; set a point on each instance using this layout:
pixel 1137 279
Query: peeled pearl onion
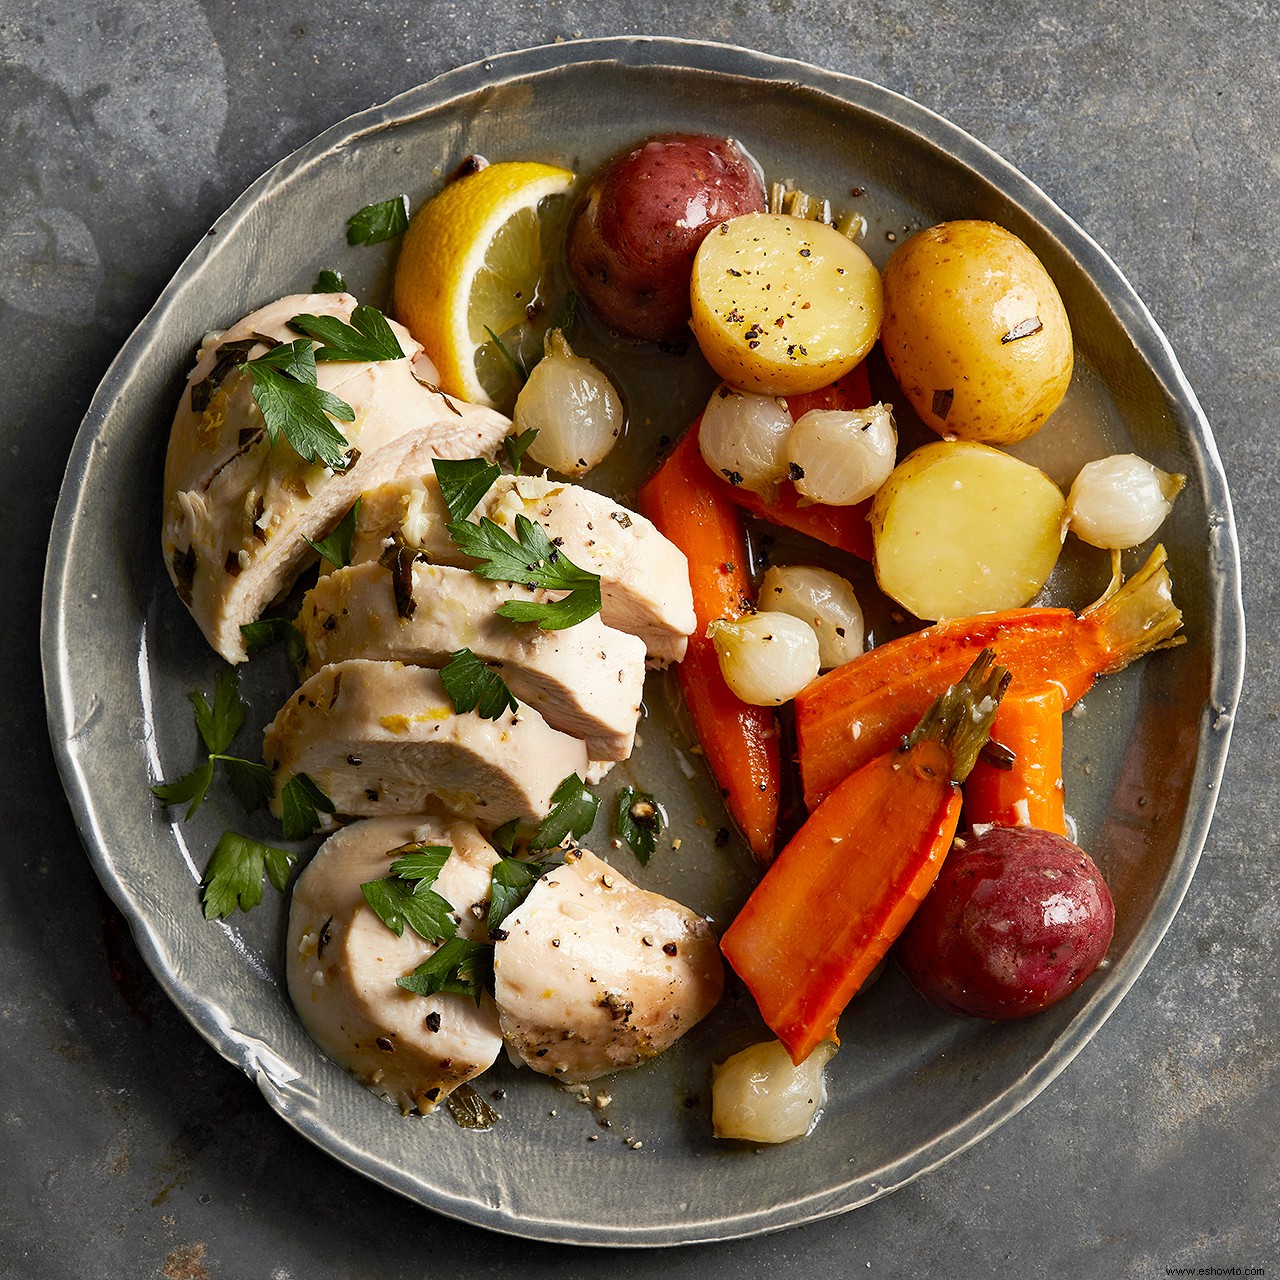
pixel 844 455
pixel 760 1095
pixel 765 658
pixel 1120 501
pixel 825 601
pixel 574 408
pixel 743 437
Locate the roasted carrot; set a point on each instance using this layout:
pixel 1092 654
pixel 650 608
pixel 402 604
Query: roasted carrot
pixel 845 886
pixel 739 741
pixel 1028 791
pixel 857 712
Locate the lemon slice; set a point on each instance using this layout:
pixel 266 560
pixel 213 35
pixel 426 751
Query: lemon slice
pixel 473 261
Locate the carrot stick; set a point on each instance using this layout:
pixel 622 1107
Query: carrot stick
pixel 740 741
pixel 1029 793
pixel 845 886
pixel 857 712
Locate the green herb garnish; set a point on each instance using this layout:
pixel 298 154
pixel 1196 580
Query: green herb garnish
pixel 515 447
pixel 284 385
pixel 529 558
pixel 463 482
pixel 302 802
pixel 234 875
pixel 330 282
pixel 218 725
pixel 456 966
pixel 473 686
pixel 638 822
pixel 504 837
pixel 509 884
pixel 377 222
pixel 573 813
pixel 266 632
pixel 336 548
pixel 517 367
pixel 367 337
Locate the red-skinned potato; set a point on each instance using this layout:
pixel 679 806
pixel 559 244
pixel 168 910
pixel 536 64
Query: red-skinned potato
pixel 636 229
pixel 1016 920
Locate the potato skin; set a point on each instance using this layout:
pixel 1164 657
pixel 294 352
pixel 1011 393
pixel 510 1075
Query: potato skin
pixel 961 304
pixel 634 232
pixel 1017 919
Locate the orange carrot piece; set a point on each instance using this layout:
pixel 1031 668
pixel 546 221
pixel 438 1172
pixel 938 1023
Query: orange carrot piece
pixel 1030 792
pixel 844 888
pixel 739 741
pixel 859 710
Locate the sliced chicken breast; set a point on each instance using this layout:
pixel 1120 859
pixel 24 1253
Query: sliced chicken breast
pixel 379 738
pixel 238 511
pixel 595 974
pixel 644 578
pixel 586 680
pixel 342 964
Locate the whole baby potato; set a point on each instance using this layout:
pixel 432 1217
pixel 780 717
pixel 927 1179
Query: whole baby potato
pixel 638 225
pixel 975 332
pixel 1016 920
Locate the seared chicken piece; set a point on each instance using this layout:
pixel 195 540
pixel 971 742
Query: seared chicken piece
pixel 586 680
pixel 343 963
pixel 595 974
pixel 379 738
pixel 238 511
pixel 644 578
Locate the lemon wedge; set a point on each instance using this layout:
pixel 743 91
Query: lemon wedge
pixel 470 268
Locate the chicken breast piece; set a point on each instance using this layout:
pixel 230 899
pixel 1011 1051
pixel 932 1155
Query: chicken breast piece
pixel 342 964
pixel 644 578
pixel 595 974
pixel 238 511
pixel 586 680
pixel 379 738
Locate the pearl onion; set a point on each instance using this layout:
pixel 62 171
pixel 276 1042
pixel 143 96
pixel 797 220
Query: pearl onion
pixel 765 658
pixel 760 1095
pixel 743 438
pixel 574 408
pixel 825 601
pixel 839 457
pixel 1120 501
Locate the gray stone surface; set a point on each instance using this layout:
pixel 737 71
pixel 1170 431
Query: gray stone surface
pixel 127 1147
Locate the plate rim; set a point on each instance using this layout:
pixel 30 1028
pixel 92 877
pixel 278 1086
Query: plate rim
pixel 1223 592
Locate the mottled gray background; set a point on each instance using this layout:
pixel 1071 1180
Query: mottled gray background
pixel 127 1148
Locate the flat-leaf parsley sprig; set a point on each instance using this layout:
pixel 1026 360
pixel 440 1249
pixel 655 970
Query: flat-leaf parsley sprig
pixel 218 725
pixel 284 385
pixel 530 558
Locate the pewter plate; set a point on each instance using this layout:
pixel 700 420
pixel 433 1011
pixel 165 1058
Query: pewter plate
pixel 910 1086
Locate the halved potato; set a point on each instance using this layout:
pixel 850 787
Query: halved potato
pixel 782 305
pixel 961 528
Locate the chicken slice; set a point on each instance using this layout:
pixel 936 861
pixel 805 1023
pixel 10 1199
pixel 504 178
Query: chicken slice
pixel 595 974
pixel 644 578
pixel 343 962
pixel 586 680
pixel 238 511
pixel 379 738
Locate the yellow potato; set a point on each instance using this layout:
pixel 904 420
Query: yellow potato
pixel 961 528
pixel 782 305
pixel 975 332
